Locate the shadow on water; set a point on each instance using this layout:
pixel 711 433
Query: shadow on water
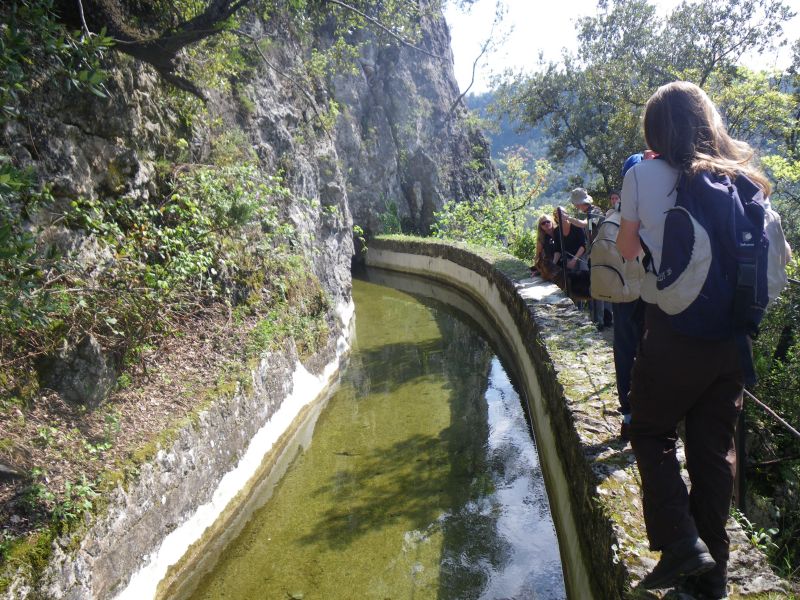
pixel 383 369
pixel 437 484
pixel 382 490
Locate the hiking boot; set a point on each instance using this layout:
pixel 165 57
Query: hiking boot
pixel 707 586
pixel 679 560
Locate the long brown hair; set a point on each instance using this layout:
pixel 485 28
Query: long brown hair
pixel 540 235
pixel 685 128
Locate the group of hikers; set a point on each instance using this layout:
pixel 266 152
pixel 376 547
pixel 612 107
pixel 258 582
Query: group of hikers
pixel 696 253
pixel 562 249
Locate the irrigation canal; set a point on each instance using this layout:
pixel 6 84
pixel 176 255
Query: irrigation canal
pixel 421 478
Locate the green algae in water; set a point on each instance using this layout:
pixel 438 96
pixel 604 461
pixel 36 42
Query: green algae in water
pixel 422 480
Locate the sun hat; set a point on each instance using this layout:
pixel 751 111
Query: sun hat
pixel 579 197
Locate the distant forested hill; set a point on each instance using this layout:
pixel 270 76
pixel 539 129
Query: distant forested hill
pixel 503 134
pixel 504 137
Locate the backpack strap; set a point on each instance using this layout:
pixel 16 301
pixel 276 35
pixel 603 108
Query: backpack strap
pixel 743 192
pixel 647 260
pixel 746 294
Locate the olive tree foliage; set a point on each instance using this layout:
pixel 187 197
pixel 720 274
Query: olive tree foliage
pixel 591 102
pixel 708 37
pixel 773 452
pixel 34 45
pixel 764 108
pixel 783 165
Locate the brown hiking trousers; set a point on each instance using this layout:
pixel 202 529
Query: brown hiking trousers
pixel 678 377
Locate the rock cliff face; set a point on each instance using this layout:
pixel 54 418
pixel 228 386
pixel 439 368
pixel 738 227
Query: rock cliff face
pixel 403 138
pixel 399 146
pixel 400 138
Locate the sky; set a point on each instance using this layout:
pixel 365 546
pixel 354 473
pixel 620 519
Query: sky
pixel 548 26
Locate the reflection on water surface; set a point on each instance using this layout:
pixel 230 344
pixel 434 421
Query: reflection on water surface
pixel 422 480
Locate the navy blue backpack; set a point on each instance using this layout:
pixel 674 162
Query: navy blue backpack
pixel 712 279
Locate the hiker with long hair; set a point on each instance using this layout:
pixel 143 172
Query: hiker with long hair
pixel 584 204
pixel 676 376
pixel 545 248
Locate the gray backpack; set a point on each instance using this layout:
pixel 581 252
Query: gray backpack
pixel 612 278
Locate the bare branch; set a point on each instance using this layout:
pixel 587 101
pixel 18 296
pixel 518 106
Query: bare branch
pixel 472 81
pixel 83 18
pixel 498 17
pixel 774 415
pixel 180 82
pixel 775 461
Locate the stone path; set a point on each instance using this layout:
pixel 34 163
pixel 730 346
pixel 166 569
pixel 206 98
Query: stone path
pixel 585 364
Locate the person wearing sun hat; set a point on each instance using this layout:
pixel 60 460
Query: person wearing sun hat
pixel 582 200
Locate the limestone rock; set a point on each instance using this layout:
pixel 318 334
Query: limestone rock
pixel 82 374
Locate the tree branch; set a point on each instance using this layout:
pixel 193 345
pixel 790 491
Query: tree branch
pixel 83 18
pixel 484 48
pixel 497 18
pixel 160 50
pixel 775 461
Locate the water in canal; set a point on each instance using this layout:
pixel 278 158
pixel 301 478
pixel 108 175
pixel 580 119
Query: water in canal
pixel 421 480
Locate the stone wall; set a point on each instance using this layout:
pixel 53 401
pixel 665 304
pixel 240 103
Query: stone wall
pixel 566 371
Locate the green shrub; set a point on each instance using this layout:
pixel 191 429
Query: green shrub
pixel 772 450
pixel 35 47
pixel 484 222
pixel 390 218
pixel 206 240
pixel 498 220
pixel 523 245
